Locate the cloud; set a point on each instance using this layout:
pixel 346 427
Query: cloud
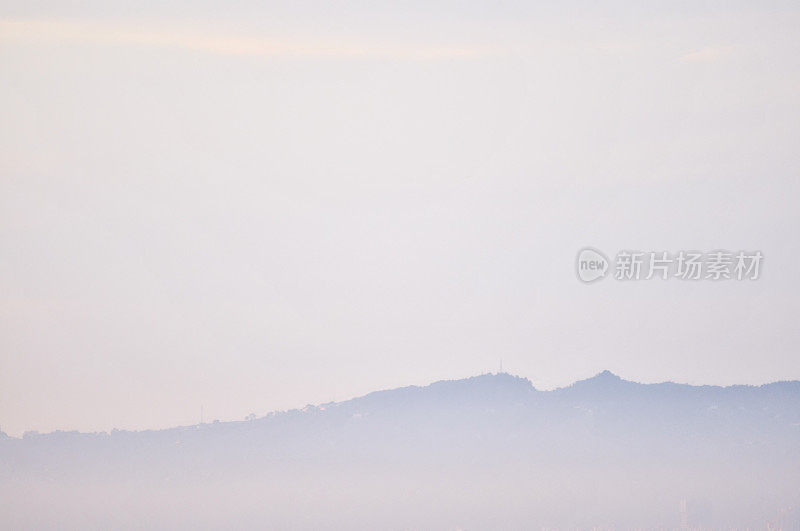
pixel 706 55
pixel 108 34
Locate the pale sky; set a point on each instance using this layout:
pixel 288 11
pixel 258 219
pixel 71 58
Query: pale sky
pixel 253 206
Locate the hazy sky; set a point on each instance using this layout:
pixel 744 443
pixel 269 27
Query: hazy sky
pixel 255 206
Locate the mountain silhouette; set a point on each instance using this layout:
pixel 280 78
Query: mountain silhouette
pixel 602 451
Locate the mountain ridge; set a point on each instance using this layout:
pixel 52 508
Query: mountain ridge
pixel 627 453
pixel 484 388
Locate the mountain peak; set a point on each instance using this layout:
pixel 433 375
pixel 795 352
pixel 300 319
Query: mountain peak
pixel 601 381
pixel 606 375
pixel 488 381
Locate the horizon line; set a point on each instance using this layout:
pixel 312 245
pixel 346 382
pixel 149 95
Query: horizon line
pixel 604 374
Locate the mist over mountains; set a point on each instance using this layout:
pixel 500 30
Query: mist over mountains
pixel 484 452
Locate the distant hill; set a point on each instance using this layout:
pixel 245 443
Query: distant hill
pixel 481 452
